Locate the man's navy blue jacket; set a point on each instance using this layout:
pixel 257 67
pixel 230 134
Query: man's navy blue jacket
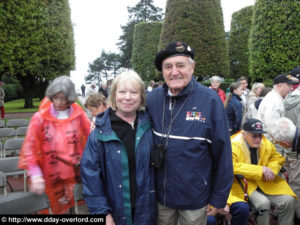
pixel 198 167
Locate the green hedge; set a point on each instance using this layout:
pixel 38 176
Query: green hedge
pixel 13 91
pixel 145 45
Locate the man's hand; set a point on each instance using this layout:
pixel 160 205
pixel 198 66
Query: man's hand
pixel 109 220
pixel 37 185
pixel 210 210
pixel 224 211
pixel 268 174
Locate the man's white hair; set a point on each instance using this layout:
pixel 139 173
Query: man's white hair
pixel 283 129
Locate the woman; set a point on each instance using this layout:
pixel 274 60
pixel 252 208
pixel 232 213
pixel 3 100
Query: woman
pixel 234 107
pixel 252 97
pixel 115 167
pixel 54 144
pixel 215 85
pixel 255 93
pixel 253 108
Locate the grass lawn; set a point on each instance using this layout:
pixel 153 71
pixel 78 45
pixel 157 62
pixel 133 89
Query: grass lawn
pixel 18 106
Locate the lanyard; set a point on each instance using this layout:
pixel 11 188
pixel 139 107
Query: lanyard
pixel 172 119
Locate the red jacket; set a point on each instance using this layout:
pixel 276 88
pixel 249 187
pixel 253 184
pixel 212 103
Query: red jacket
pixel 221 94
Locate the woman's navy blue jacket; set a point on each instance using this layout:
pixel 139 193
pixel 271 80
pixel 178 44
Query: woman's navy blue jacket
pixel 198 167
pixel 234 113
pixel 105 173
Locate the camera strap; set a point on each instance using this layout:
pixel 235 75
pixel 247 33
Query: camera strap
pixel 172 119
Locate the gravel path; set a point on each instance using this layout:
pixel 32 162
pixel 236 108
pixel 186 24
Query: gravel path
pixel 18 115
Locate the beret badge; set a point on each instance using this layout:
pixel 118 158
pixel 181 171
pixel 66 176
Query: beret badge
pixel 180 47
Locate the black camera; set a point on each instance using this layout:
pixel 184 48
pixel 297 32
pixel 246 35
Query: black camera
pixel 158 155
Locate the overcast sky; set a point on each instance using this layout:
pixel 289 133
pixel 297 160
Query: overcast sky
pixel 97 24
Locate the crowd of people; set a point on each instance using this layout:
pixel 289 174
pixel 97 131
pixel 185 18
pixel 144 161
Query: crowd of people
pixel 168 154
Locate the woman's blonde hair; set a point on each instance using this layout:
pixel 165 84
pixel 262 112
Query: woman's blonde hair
pixel 135 80
pixel 255 86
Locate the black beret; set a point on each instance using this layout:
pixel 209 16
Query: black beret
pixel 173 49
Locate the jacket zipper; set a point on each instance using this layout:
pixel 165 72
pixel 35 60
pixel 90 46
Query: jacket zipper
pixel 171 107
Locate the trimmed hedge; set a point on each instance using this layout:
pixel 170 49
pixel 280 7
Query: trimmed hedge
pixel 12 91
pixel 238 42
pixel 198 23
pixel 274 39
pixel 145 45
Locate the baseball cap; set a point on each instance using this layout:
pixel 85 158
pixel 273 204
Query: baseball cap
pixel 296 72
pixel 254 126
pixel 284 78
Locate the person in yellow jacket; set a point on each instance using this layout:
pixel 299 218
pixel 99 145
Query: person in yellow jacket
pixel 256 158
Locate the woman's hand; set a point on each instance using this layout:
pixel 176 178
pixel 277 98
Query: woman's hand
pixel 92 127
pixel 37 185
pixel 109 220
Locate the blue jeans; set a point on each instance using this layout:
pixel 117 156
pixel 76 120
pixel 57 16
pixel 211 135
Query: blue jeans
pixel 239 212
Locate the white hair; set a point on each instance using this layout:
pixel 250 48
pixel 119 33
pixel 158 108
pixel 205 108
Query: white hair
pixel 191 61
pixel 283 130
pixel 62 84
pixel 216 78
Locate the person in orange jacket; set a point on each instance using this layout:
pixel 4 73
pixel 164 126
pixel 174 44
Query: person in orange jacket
pixel 54 144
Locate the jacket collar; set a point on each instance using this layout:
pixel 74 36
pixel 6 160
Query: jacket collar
pixel 237 96
pixel 103 121
pixel 185 92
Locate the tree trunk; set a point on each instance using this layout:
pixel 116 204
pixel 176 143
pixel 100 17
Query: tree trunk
pixel 28 84
pixel 28 99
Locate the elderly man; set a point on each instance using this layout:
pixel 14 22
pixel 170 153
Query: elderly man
pixel 288 135
pixel 271 107
pixel 193 152
pixel 256 158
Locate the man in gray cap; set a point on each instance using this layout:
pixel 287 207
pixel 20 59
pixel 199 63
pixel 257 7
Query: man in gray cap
pixel 256 158
pixel 192 151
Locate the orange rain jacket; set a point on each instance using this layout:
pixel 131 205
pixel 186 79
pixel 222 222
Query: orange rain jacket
pixel 55 146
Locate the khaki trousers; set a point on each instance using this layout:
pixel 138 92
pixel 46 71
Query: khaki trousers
pixel 284 204
pixel 168 216
pixel 292 166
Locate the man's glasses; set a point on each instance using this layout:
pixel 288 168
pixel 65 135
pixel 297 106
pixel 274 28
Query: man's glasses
pixel 256 136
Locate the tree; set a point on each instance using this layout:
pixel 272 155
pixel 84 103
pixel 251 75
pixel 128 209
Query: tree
pixel 238 42
pixel 104 66
pixel 199 23
pixel 143 11
pixel 36 42
pixel 274 39
pixel 145 45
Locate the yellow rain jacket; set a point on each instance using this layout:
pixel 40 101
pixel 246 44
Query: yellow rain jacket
pixel 269 157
